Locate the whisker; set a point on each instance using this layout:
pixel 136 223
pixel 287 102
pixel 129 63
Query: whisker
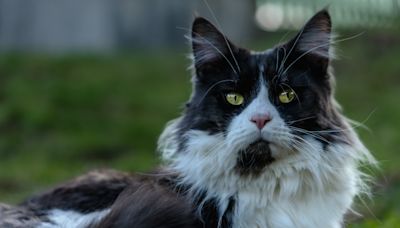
pixel 277 59
pixel 283 37
pixel 297 144
pixel 291 49
pixel 341 129
pixel 277 65
pixel 293 137
pixel 316 136
pixel 362 123
pixel 319 46
pixel 212 87
pixel 355 125
pixel 280 65
pixel 219 27
pixel 312 134
pixel 304 141
pixel 209 43
pixel 298 120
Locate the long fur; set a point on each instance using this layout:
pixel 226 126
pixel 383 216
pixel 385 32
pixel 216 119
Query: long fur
pixel 301 168
pixel 313 188
pixel 313 181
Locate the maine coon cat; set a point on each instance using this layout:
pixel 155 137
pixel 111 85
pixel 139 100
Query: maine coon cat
pixel 261 143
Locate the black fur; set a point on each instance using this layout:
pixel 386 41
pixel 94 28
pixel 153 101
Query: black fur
pixel 144 201
pixel 91 192
pixel 157 200
pixel 309 76
pixel 254 158
pixel 148 206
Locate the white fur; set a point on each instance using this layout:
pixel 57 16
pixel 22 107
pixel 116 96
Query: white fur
pixel 67 219
pixel 305 187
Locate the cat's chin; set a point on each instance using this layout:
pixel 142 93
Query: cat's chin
pixel 254 158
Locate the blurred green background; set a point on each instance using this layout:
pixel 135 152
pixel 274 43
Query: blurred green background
pixel 65 112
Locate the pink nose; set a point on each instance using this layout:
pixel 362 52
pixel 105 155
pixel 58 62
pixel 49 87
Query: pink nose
pixel 260 120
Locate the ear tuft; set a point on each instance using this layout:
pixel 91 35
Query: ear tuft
pixel 208 43
pixel 316 35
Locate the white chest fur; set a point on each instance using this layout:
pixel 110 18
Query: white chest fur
pixel 305 209
pixel 310 187
pixel 292 192
pixel 308 212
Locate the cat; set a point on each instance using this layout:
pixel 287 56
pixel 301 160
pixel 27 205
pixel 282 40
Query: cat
pixel 261 143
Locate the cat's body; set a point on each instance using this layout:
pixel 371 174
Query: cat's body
pixel 262 143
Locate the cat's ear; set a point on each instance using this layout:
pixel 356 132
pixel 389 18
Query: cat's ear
pixel 313 42
pixel 209 44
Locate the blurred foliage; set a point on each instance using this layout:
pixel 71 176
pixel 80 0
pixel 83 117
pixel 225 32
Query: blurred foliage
pixel 61 116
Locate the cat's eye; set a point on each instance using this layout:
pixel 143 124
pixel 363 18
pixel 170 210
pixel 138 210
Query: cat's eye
pixel 234 98
pixel 287 96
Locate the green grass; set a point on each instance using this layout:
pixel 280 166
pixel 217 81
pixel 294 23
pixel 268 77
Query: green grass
pixel 369 89
pixel 62 116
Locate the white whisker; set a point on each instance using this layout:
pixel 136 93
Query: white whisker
pixel 290 51
pixel 213 86
pixel 317 47
pixel 301 119
pixel 203 39
pixel 219 27
pixel 310 133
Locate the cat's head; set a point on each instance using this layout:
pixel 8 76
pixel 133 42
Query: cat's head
pixel 251 113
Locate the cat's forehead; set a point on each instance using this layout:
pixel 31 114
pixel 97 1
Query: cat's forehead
pixel 261 63
pixel 265 60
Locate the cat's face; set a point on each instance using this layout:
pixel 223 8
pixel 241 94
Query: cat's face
pixel 261 108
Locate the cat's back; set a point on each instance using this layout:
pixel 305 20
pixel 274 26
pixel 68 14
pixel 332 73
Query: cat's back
pixel 104 198
pixel 14 216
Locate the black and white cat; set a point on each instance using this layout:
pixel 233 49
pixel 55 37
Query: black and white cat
pixel 261 143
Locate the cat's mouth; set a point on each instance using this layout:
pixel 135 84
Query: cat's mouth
pixel 254 158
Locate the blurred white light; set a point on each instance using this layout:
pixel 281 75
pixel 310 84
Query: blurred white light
pixel 270 16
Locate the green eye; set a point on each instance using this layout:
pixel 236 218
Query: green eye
pixel 287 96
pixel 234 98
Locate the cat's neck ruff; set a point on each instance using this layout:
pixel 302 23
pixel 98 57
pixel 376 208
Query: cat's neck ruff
pixel 315 192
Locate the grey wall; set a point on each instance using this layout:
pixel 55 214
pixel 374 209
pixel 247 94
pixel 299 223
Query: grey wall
pixel 107 25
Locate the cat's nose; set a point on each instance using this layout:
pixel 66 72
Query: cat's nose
pixel 260 120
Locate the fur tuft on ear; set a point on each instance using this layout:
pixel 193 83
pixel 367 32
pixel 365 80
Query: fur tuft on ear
pixel 316 36
pixel 208 43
